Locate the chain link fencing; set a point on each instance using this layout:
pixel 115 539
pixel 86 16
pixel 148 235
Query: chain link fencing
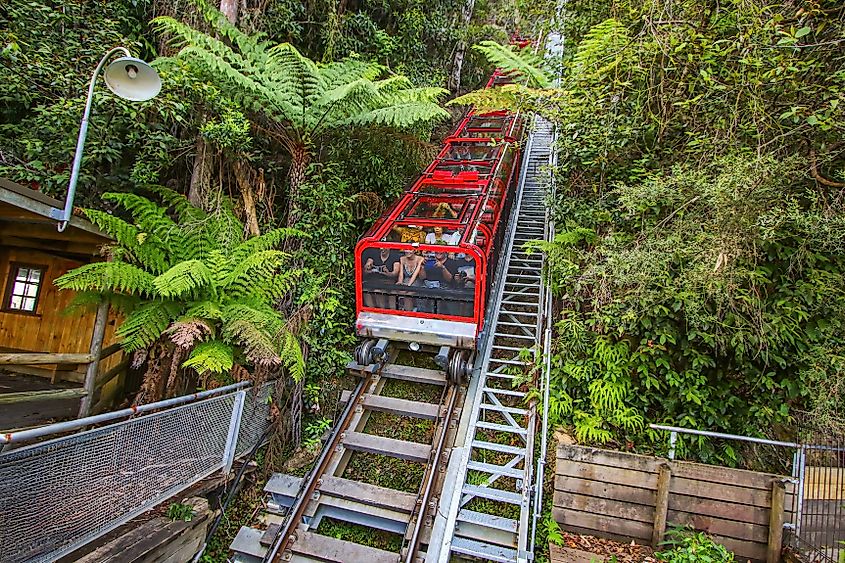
pixel 59 495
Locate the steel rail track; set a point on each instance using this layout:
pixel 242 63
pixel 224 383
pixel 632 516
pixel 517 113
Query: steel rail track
pixel 308 492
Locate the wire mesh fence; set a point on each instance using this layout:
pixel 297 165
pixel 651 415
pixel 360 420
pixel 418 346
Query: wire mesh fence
pixel 58 495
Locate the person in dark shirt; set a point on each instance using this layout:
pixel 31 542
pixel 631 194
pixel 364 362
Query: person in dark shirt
pixel 440 273
pixel 381 267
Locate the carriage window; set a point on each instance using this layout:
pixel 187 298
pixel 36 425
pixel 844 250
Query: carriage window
pixel 23 288
pixel 472 152
pixel 433 208
pixel 440 283
pixel 486 122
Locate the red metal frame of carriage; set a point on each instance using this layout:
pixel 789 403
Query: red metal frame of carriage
pixel 476 173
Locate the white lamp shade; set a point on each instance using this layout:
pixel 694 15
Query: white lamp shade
pixel 132 79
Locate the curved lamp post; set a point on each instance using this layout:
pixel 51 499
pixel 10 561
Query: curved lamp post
pixel 131 79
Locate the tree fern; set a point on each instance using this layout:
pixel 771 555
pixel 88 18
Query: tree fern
pixel 304 100
pixel 509 58
pixel 215 297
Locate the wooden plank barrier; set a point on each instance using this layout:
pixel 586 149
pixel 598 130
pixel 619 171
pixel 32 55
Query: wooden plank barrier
pixel 628 497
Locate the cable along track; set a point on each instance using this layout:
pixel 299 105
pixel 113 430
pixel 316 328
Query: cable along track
pixel 297 506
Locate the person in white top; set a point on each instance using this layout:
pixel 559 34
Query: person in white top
pixel 439 237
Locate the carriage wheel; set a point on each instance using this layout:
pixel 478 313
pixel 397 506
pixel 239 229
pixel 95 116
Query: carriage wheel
pixel 364 352
pixel 459 367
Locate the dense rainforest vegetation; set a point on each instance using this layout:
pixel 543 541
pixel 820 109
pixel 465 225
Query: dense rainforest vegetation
pixel 699 256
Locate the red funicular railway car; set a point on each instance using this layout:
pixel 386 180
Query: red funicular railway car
pixel 424 270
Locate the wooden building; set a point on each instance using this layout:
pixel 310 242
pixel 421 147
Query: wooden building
pixel 49 359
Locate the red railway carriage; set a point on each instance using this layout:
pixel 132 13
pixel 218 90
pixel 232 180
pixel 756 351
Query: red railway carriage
pixel 423 270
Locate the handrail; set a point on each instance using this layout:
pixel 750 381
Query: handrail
pixel 710 434
pixel 59 427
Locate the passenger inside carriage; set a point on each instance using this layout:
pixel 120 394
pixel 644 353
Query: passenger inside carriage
pixel 381 266
pixel 438 236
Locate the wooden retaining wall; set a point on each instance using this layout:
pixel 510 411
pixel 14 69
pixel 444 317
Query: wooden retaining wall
pixel 633 497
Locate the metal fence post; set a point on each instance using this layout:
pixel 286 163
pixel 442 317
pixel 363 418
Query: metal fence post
pixel 673 440
pixel 802 464
pixel 234 430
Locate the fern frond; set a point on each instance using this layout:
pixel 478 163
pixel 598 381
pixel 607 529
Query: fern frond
pixel 601 50
pixel 267 241
pixel 264 264
pixel 523 62
pixel 511 97
pixel 400 116
pixel 106 277
pixel 185 210
pixel 253 328
pixel 292 357
pixel 146 323
pixel 205 309
pixel 281 284
pixel 185 278
pixel 148 216
pixel 136 244
pixel 211 357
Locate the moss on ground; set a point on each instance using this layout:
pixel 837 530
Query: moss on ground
pixel 400 427
pixel 363 535
pixel 385 471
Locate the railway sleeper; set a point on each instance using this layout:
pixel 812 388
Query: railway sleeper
pixel 408 451
pixel 309 546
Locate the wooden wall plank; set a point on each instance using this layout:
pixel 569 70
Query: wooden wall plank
pixel 617 475
pixel 609 458
pixel 718 509
pixel 729 528
pixel 605 507
pixel 604 526
pixel 739 495
pixel 724 475
pixel 602 489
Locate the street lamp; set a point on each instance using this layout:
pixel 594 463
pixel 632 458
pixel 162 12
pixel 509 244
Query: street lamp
pixel 131 79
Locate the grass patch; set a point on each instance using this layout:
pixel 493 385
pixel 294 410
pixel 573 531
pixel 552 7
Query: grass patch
pixel 398 427
pixel 422 392
pixel 385 471
pixel 362 535
pixel 416 359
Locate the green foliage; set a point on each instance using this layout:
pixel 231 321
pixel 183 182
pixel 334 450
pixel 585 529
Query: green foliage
pixel 693 547
pixel 302 98
pixel 521 61
pixel 178 511
pixel 552 530
pixel 198 281
pixel 699 261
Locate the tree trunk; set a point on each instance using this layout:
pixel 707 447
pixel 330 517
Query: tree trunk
pixel 244 179
pixel 197 191
pixel 296 177
pixel 460 51
pixel 229 8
